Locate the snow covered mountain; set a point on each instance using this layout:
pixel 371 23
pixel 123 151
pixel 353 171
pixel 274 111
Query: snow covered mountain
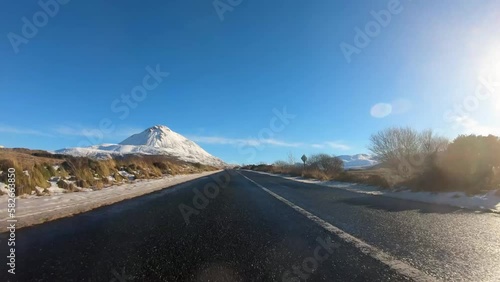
pixel 358 161
pixel 157 140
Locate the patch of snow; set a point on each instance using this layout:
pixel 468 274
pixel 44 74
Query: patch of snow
pixel 157 140
pixel 56 190
pixel 126 175
pixel 489 201
pixel 38 189
pixel 54 179
pixel 3 188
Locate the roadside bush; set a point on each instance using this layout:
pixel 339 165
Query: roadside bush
pixel 43 171
pixel 23 183
pixel 346 177
pixel 37 177
pixel 73 188
pixel 377 180
pixel 470 162
pixel 98 185
pixel 52 171
pixel 315 174
pixel 63 184
pixel 105 181
pixel 82 183
pixel 118 177
pixel 103 167
pixel 432 179
pixel 329 166
pixel 161 166
pixel 62 172
pixel 80 168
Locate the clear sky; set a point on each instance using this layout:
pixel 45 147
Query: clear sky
pixel 233 64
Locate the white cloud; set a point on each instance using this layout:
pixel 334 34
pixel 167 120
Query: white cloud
pixel 23 131
pixel 338 145
pixel 72 131
pixel 241 141
pixel 78 130
pixel 259 142
pixel 281 143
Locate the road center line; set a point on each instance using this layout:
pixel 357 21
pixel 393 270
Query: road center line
pixel 395 264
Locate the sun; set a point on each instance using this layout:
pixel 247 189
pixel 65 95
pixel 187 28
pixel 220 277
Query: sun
pixel 489 77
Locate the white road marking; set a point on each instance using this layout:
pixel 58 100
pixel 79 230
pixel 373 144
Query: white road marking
pixel 395 264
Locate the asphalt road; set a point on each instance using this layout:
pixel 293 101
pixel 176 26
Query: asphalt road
pixel 241 232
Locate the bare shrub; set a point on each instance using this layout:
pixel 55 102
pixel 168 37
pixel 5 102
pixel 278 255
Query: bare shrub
pixel 329 165
pixel 405 149
pixel 63 184
pixel 377 180
pixel 82 183
pixel 98 185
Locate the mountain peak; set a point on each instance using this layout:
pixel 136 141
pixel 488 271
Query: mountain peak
pixel 159 127
pixel 156 140
pixel 158 136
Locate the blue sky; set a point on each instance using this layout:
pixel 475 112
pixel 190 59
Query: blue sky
pixel 231 68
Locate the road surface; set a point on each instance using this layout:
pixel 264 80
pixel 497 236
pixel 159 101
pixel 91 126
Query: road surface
pixel 246 226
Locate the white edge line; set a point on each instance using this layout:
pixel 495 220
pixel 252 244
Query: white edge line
pixel 395 264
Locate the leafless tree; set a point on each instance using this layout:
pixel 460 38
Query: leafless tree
pixel 280 164
pixel 291 158
pixel 405 147
pixel 431 143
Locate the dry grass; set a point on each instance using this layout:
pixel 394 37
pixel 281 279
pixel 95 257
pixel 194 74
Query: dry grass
pixel 375 177
pixel 86 172
pixel 26 159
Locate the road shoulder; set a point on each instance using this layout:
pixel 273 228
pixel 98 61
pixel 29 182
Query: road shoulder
pixel 40 209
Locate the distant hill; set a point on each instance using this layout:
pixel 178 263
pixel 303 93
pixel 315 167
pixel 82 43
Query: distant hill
pixel 358 161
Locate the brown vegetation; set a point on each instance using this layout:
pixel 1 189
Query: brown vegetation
pixel 34 168
pixel 421 161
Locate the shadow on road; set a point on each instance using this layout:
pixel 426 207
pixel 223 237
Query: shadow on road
pixel 399 205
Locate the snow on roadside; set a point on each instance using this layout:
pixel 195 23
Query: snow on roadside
pixel 32 209
pixel 489 201
pixel 3 188
pixel 127 175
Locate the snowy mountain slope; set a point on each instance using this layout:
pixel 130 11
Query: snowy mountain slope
pixel 157 140
pixel 359 160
